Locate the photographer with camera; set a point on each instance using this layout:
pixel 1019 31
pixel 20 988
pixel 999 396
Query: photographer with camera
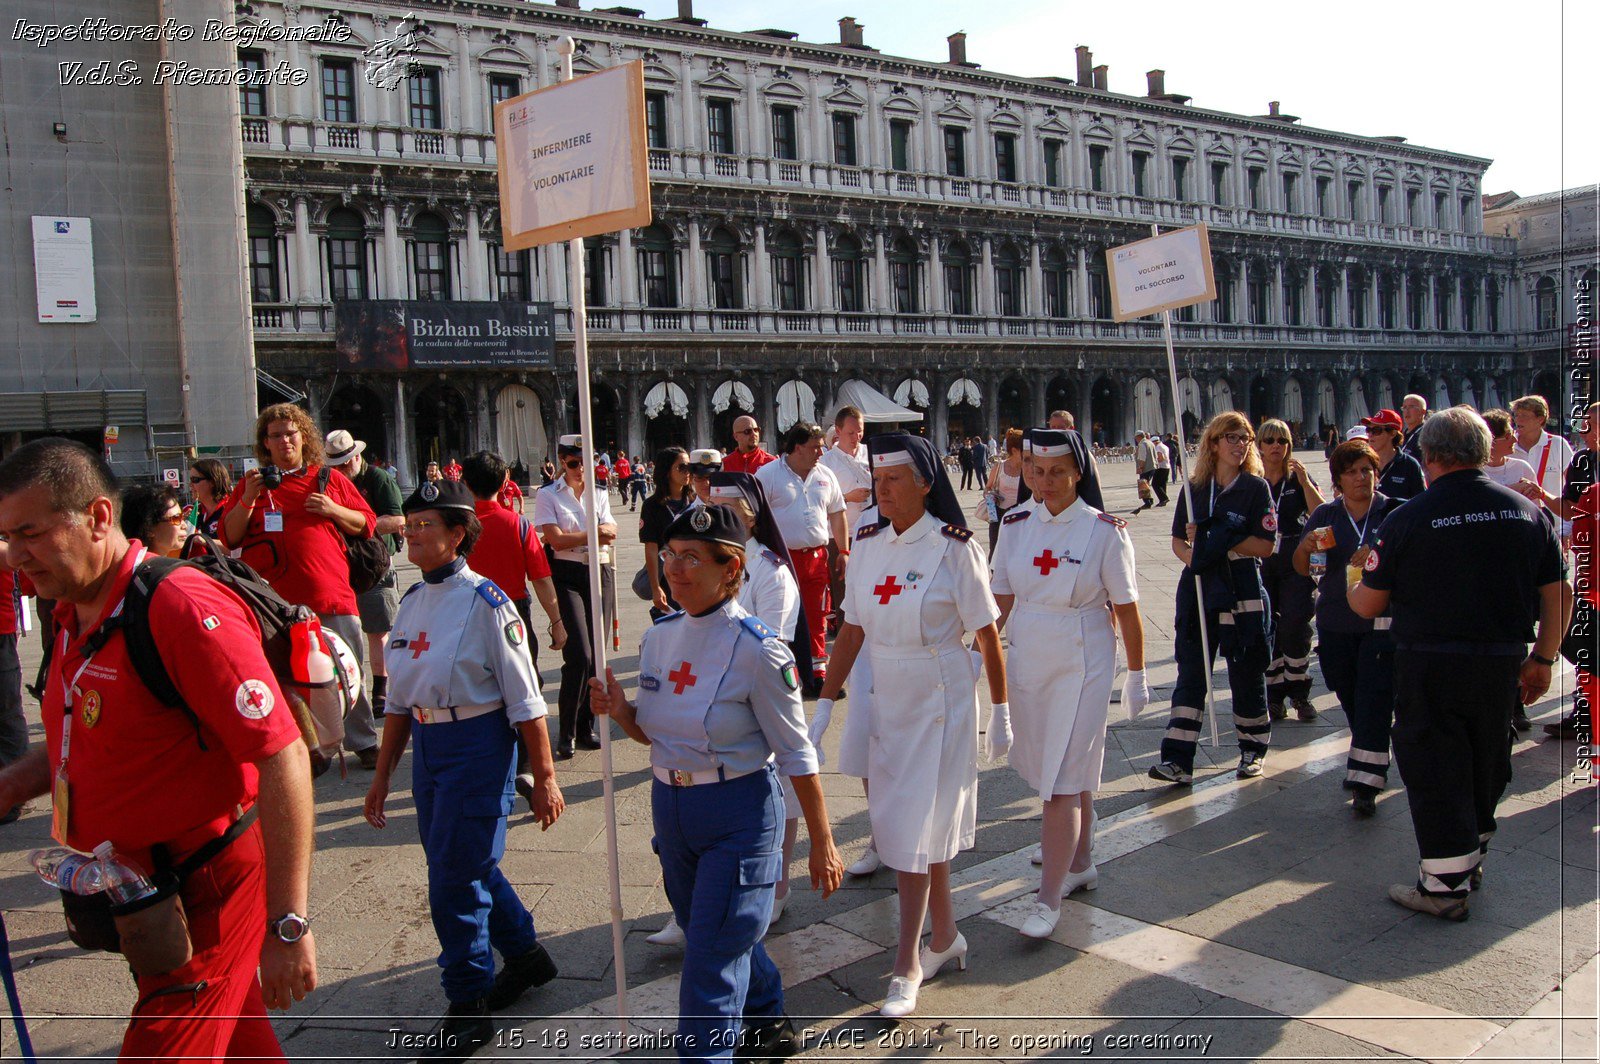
pixel 291 529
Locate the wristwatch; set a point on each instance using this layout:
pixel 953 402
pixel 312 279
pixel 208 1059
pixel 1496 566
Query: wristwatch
pixel 1547 662
pixel 290 928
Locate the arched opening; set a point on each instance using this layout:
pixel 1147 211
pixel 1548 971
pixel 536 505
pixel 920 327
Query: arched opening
pixel 347 255
pixel 1293 408
pixel 658 267
pixel 1491 395
pixel 729 401
pixel 1327 408
pixel 788 271
pixel 1061 394
pixel 666 412
pixel 1106 426
pixel 262 236
pixel 957 262
pixel 1009 296
pixel 796 402
pixel 1546 305
pixel 913 395
pixel 1014 406
pixel 430 257
pixel 1147 414
pixel 441 427
pixel 905 274
pixel 604 414
pixel 359 411
pixel 519 430
pixel 1193 408
pixel 965 408
pixel 1057 284
pixel 1260 400
pixel 1419 385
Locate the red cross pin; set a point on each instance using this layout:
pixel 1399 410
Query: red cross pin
pixel 680 678
pixel 1046 562
pixel 887 590
pixel 419 645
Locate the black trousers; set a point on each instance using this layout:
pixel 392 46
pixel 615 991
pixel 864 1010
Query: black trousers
pixel 1452 745
pixel 1359 667
pixel 1246 668
pixel 1158 484
pixel 1289 596
pixel 13 725
pixel 577 657
pixel 966 477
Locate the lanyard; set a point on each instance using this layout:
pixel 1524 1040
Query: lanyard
pixel 1361 533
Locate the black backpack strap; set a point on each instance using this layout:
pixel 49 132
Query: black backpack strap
pixel 133 620
pixel 324 474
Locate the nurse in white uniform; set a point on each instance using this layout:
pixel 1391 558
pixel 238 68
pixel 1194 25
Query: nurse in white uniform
pixel 1056 567
pixel 918 584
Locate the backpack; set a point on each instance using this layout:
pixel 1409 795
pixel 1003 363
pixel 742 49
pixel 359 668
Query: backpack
pixel 368 556
pixel 282 626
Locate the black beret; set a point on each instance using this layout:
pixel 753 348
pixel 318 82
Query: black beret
pixel 440 495
pixel 713 524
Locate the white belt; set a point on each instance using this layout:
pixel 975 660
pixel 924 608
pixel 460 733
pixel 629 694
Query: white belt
pixel 452 714
pixel 918 650
pixel 1063 611
pixel 674 777
pixel 581 555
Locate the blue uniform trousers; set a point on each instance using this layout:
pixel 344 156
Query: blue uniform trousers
pixel 721 852
pixel 1359 666
pixel 1247 678
pixel 461 781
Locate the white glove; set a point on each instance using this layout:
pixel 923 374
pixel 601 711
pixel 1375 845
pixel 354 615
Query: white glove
pixel 819 727
pixel 997 737
pixel 1135 692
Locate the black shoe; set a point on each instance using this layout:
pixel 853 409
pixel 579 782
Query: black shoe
pixel 564 750
pixel 519 975
pixel 1565 728
pixel 1172 772
pixel 14 815
pixel 1364 804
pixel 368 758
pixel 1276 711
pixel 1304 710
pixel 589 742
pixel 767 1040
pixel 320 764
pixel 1520 721
pixel 1475 880
pixel 463 1031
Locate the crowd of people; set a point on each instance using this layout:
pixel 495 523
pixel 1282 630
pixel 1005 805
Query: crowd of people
pixel 841 573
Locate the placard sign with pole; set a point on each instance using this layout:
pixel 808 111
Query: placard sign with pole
pixel 572 164
pixel 1161 274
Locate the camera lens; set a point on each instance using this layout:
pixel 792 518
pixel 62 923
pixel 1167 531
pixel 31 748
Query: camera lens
pixel 271 476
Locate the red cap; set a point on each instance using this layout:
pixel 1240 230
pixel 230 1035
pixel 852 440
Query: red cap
pixel 1387 418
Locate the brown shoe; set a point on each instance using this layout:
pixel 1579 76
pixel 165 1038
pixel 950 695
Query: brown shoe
pixel 368 758
pixel 1433 904
pixel 1303 709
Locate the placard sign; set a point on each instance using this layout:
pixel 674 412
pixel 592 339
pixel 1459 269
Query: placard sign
pixel 572 159
pixel 63 269
pixel 1162 273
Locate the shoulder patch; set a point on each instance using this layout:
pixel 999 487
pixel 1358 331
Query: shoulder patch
pixel 757 628
pixel 665 617
pixel 1020 515
pixel 956 532
pixel 1113 519
pixel 867 531
pixel 492 594
pixel 771 557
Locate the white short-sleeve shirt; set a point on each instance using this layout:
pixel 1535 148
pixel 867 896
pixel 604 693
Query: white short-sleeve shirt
pixel 801 507
pixel 556 504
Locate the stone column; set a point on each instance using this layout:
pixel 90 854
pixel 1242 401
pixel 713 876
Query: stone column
pixel 696 268
pixel 1241 306
pixel 309 288
pixel 1033 302
pixel 936 301
pixel 824 272
pixel 762 272
pixel 882 289
pixel 1080 285
pixel 700 407
pixel 1039 382
pixel 1341 312
pixel 986 298
pixel 468 92
pixel 1085 412
pixel 1403 315
pixel 405 468
pixel 477 259
pixel 629 294
pixel 393 255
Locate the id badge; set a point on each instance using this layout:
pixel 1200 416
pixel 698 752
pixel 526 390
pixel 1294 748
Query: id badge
pixel 272 521
pixel 58 806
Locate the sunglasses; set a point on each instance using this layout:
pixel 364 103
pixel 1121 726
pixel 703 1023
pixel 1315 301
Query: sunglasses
pixel 1379 429
pixel 573 463
pixel 199 480
pixel 1273 441
pixel 174 519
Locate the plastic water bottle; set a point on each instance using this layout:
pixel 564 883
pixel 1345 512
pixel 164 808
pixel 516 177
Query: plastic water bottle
pixel 68 870
pixel 123 883
pixel 1319 564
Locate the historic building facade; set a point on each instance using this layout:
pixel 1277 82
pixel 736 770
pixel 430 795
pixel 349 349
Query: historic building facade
pixel 826 213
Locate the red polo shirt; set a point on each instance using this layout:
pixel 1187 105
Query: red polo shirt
pixel 509 551
pixel 8 601
pixel 510 494
pixel 137 774
pixel 737 461
pixel 304 561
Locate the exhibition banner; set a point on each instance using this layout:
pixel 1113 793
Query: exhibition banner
pixel 395 334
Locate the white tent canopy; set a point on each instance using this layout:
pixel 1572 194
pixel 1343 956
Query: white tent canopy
pixel 911 392
pixel 1441 394
pixel 796 402
pixel 519 426
pixel 1221 396
pixel 1468 396
pixel 1358 401
pixel 1384 396
pixel 733 393
pixel 1491 395
pixel 1189 398
pixel 666 394
pixel 1147 413
pixel 1327 402
pixel 1293 407
pixel 876 408
pixel 965 390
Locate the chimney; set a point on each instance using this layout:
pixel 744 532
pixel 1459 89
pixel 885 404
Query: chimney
pixel 685 10
pixel 573 4
pixel 1272 109
pixel 1100 76
pixel 850 32
pixel 1157 80
pixel 958 48
pixel 1085 64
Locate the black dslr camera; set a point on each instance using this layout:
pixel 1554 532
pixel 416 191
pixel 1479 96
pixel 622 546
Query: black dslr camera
pixel 271 477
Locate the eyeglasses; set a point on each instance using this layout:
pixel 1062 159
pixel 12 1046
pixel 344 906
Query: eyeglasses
pixel 417 527
pixel 174 519
pixel 279 437
pixel 1274 441
pixel 1236 438
pixel 688 561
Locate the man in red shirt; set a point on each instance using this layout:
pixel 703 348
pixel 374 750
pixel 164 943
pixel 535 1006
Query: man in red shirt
pixel 509 495
pixel 748 456
pixel 13 725
pixel 452 471
pixel 624 470
pixel 125 768
pixel 293 535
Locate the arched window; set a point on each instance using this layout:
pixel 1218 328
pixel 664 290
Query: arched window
pixel 1388 301
pixel 958 278
pixel 430 252
pixel 1545 312
pixel 1294 294
pixel 849 274
pixel 788 271
pixel 1223 270
pixel 725 265
pixel 262 234
pixel 1259 298
pixel 1057 289
pixel 1357 283
pixel 347 255
pixel 1009 297
pixel 1443 287
pixel 658 267
pixel 905 270
pixel 1327 297
pixel 1417 293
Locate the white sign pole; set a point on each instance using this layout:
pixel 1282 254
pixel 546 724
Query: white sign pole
pixel 1188 501
pixel 578 298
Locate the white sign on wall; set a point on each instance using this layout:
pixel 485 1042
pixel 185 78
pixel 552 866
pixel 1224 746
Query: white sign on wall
pixel 572 159
pixel 1162 273
pixel 63 268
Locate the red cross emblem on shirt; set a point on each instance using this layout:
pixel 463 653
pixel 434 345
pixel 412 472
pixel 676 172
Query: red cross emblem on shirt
pixel 680 678
pixel 887 590
pixel 419 645
pixel 256 698
pixel 1046 562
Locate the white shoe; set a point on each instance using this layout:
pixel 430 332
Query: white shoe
pixel 869 863
pixel 1038 855
pixel 1041 921
pixel 931 962
pixel 902 1000
pixel 671 935
pixel 1088 879
pixel 777 907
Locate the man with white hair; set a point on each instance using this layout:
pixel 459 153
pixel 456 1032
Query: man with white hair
pixel 1413 412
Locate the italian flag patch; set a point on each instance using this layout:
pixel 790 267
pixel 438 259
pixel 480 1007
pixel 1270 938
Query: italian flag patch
pixel 791 677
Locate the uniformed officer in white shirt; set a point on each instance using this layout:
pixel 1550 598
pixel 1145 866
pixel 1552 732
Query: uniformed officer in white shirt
pixel 719 705
pixel 919 585
pixel 1548 455
pixel 461 680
